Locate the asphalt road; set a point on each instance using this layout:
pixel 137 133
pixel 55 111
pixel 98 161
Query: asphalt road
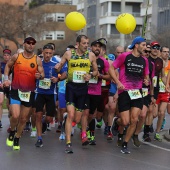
pixel 104 156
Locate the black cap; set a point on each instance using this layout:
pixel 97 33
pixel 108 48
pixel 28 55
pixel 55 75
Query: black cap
pixel 96 42
pixel 29 38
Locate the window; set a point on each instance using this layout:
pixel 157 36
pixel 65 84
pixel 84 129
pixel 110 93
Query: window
pixel 50 17
pixel 60 35
pixel 60 17
pixel 48 37
pixel 54 35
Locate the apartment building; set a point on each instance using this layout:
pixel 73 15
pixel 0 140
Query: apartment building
pixel 101 17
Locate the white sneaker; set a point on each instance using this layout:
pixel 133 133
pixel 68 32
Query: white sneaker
pixel 62 136
pixel 33 134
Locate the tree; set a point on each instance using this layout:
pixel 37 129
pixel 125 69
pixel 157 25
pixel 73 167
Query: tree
pixel 15 22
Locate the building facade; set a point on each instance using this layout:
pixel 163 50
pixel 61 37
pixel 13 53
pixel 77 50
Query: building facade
pixel 55 29
pixel 101 17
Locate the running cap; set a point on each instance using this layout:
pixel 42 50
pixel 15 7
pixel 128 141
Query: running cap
pixel 96 42
pixel 29 38
pixel 155 43
pixel 137 40
pixel 111 57
pixel 7 51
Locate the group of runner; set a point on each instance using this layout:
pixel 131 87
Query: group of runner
pixel 126 90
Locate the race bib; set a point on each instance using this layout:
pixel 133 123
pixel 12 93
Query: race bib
pixel 78 76
pixel 144 92
pixel 154 81
pixel 161 86
pixel 45 83
pixel 134 94
pixel 24 96
pixel 103 82
pixel 93 80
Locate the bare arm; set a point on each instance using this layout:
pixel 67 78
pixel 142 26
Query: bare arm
pixel 94 64
pixel 163 77
pixel 8 67
pixel 40 70
pixel 113 75
pixel 167 82
pixel 64 58
pixel 57 79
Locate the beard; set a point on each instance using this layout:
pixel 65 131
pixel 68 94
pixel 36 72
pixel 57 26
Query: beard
pixel 96 53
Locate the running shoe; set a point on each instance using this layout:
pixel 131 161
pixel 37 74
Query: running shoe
pixel 33 134
pixel 106 130
pixel 84 141
pixel 39 143
pixel 62 136
pixel 125 150
pixel 48 127
pixel 99 124
pixel 16 145
pixel 1 125
pixel 119 141
pixel 136 141
pixel 88 134
pixel 10 139
pixel 109 136
pixel 114 127
pixel 146 138
pixel 157 137
pixel 68 148
pixel 92 141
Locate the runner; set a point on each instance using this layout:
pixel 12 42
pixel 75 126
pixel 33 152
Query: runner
pixel 27 67
pixel 4 91
pixel 133 72
pixel 94 93
pixel 79 62
pixel 46 92
pixel 159 73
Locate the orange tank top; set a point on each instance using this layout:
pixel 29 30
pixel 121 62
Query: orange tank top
pixel 24 73
pixel 167 68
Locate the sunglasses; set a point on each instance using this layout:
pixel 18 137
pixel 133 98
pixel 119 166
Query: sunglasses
pixel 156 47
pixel 30 43
pixel 146 51
pixel 48 46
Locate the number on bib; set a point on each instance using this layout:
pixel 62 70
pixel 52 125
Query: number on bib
pixel 45 83
pixel 24 96
pixel 134 94
pixel 78 76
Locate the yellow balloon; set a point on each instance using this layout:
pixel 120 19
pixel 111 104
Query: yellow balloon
pixel 125 23
pixel 75 21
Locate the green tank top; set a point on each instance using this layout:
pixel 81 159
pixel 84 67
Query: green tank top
pixel 78 66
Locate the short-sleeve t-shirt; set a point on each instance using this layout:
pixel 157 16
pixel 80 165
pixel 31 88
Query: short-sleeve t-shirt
pixel 131 70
